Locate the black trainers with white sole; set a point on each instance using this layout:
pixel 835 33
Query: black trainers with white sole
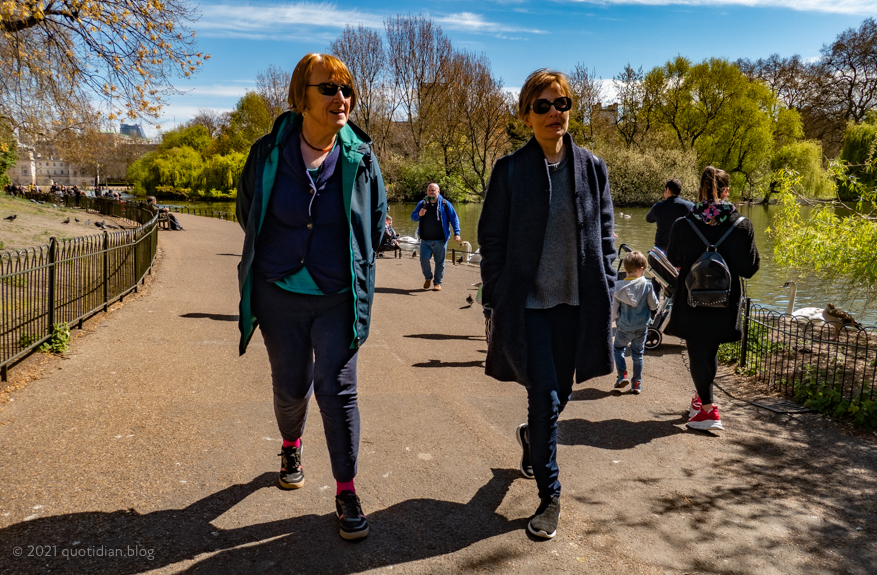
pixel 544 523
pixel 354 525
pixel 524 441
pixel 291 474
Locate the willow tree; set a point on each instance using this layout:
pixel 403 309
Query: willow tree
pixel 58 58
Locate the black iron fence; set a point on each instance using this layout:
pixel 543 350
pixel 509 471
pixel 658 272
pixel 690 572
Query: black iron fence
pixel 218 214
pixel 790 354
pixel 68 280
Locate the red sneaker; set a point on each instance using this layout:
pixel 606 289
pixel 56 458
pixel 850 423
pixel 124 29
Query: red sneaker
pixel 696 405
pixel 706 420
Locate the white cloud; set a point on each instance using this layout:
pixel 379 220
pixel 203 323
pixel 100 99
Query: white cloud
pixel 471 22
pixel 833 6
pixel 218 90
pixel 276 19
pixel 304 21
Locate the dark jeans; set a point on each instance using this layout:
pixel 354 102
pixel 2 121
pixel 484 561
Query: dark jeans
pixel 551 352
pixel 436 249
pixel 308 339
pixel 703 359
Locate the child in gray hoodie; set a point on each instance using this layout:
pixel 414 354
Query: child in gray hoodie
pixel 631 309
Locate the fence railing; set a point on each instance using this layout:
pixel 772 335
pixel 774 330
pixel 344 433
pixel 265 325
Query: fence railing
pixel 218 214
pixel 786 352
pixel 68 280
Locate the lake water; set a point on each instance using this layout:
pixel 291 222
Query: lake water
pixel 765 288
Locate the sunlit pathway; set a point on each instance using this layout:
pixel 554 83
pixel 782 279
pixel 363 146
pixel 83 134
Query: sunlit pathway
pixel 153 447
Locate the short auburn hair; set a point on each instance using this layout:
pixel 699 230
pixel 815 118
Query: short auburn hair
pixel 634 261
pixel 298 85
pixel 537 82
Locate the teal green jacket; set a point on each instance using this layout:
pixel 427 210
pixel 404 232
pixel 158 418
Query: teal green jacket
pixel 365 202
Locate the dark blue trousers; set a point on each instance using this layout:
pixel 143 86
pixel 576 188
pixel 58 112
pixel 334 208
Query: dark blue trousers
pixel 308 339
pixel 551 352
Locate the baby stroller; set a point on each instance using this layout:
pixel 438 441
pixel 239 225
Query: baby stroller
pixel 665 274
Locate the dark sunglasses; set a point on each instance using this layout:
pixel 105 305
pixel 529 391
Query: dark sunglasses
pixel 330 89
pixel 541 106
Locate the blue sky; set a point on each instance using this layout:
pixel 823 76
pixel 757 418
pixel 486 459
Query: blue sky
pixel 518 36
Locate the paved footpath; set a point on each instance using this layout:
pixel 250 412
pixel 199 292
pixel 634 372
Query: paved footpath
pixel 153 448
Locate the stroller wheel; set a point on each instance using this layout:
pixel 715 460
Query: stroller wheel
pixel 653 338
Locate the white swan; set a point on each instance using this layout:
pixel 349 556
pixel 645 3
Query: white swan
pixel 467 251
pixel 408 240
pixel 813 314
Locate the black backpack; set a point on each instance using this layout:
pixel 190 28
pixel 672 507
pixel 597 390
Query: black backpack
pixel 709 280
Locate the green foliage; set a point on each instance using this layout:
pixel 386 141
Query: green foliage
pixel 823 393
pixel 729 353
pixel 194 137
pixel 638 177
pixel 8 152
pixel 60 340
pixel 406 178
pixel 805 158
pixel 27 340
pixel 834 242
pixel 858 153
pixel 250 120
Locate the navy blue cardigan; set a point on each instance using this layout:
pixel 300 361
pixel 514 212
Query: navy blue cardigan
pixel 511 232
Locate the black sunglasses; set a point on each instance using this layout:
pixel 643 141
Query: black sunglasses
pixel 330 89
pixel 541 106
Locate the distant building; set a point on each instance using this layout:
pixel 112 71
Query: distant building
pixel 604 118
pixel 44 169
pixel 131 130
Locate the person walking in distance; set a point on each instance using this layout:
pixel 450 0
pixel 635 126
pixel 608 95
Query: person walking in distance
pixel 547 248
pixel 437 218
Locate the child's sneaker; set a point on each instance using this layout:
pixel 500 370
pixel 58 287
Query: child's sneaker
pixel 695 406
pixel 706 420
pixel 636 387
pixel 622 380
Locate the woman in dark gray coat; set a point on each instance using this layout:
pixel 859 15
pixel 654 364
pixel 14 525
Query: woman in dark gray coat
pixel 704 328
pixel 547 248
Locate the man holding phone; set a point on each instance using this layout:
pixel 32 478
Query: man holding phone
pixel 437 217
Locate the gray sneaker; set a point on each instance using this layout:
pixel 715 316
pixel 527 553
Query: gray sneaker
pixel 524 441
pixel 544 523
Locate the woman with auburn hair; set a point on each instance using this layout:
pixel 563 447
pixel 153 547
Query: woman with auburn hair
pixel 547 248
pixel 704 328
pixel 312 204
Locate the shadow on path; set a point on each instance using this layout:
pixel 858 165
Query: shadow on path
pixel 408 531
pixel 213 316
pixel 615 433
pixel 440 363
pixel 443 336
pixel 397 291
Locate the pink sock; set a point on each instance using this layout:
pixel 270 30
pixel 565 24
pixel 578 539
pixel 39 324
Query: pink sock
pixel 345 486
pixel 296 443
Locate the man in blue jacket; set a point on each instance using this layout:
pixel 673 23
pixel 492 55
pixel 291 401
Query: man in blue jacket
pixel 436 216
pixel 665 212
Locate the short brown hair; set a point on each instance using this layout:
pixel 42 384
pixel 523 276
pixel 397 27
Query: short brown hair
pixel 298 85
pixel 634 261
pixel 712 182
pixel 537 82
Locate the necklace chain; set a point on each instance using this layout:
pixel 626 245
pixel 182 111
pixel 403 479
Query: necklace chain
pixel 313 147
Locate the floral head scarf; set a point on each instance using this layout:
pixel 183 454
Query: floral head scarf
pixel 713 213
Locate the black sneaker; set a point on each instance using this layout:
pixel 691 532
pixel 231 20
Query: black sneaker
pixel 524 441
pixel 291 474
pixel 354 525
pixel 544 523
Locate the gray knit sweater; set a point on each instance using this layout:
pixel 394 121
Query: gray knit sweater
pixel 557 276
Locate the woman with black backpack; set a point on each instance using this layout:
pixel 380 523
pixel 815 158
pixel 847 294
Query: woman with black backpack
pixel 707 305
